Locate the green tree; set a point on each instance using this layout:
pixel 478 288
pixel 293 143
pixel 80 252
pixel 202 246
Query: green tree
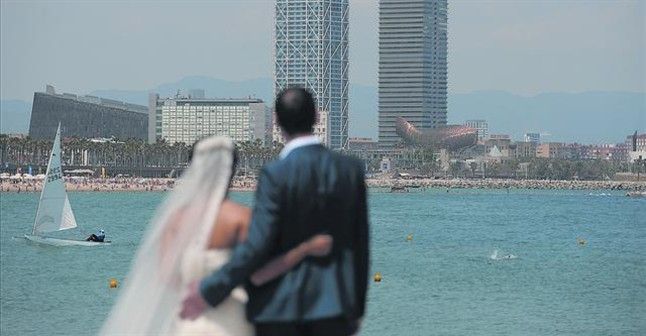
pixel 456 167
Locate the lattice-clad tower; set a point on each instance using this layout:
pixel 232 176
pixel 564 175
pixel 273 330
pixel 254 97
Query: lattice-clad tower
pixel 311 39
pixel 412 65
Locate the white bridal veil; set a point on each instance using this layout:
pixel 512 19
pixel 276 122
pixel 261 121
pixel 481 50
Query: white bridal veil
pixel 150 300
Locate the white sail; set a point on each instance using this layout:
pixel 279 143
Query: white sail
pixel 68 221
pixel 54 210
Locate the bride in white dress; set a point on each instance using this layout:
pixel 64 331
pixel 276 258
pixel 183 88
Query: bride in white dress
pixel 192 236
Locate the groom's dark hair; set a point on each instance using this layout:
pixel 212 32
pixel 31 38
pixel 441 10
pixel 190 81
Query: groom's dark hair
pixel 295 110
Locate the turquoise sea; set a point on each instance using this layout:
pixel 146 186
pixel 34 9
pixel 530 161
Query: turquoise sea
pixel 443 282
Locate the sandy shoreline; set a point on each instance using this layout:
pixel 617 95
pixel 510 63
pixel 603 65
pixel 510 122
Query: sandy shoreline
pixel 161 185
pixel 101 185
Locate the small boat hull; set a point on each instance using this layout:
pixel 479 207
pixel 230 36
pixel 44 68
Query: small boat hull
pixel 63 242
pixel 398 189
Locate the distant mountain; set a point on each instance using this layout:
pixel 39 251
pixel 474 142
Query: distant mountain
pixel 14 116
pixel 216 88
pixel 588 117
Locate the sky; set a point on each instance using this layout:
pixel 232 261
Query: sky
pixel 523 47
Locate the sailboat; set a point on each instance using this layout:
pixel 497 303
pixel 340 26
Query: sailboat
pixel 54 210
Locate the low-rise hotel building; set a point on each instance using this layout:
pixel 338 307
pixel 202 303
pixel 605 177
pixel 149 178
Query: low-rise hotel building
pixel 187 119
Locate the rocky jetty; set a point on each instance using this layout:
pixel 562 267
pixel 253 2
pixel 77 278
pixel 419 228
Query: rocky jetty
pixel 508 184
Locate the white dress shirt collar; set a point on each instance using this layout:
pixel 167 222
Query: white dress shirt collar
pixel 303 141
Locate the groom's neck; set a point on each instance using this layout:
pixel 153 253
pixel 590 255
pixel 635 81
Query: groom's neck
pixel 289 138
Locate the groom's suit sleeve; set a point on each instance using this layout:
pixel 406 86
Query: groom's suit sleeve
pixel 248 255
pixel 361 246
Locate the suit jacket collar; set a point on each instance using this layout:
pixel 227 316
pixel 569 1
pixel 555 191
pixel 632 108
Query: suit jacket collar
pixel 297 143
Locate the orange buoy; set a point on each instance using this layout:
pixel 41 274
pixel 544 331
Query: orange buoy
pixel 113 283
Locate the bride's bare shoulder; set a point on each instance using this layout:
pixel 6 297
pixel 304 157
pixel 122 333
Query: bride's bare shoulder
pixel 231 224
pixel 233 210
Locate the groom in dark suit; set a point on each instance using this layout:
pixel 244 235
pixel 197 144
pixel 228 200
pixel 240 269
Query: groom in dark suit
pixel 308 190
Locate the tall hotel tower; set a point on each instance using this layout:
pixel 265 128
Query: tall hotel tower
pixel 312 52
pixel 412 65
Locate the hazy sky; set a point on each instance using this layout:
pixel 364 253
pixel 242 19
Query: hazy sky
pixel 524 47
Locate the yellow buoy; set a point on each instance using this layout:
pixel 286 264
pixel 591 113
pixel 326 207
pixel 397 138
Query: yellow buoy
pixel 377 277
pixel 113 283
pixel 409 237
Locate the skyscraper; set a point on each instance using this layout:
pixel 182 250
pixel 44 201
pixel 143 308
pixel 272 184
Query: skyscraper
pixel 412 65
pixel 312 52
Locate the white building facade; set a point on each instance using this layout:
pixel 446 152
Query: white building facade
pixel 184 119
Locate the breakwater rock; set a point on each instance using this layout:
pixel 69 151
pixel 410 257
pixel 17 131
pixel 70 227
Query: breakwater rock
pixel 508 184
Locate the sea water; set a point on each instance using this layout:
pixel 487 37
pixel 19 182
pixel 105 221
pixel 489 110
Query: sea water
pixel 579 265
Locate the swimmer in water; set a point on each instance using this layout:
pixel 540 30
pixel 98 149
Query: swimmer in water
pixel 494 256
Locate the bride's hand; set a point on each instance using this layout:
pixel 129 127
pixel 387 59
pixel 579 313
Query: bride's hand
pixel 319 245
pixel 193 304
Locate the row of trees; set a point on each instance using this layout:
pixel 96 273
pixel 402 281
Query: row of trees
pixel 17 152
pixel 425 161
pixel 559 169
pixel 253 155
pixel 83 152
pixel 21 152
pixel 541 169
